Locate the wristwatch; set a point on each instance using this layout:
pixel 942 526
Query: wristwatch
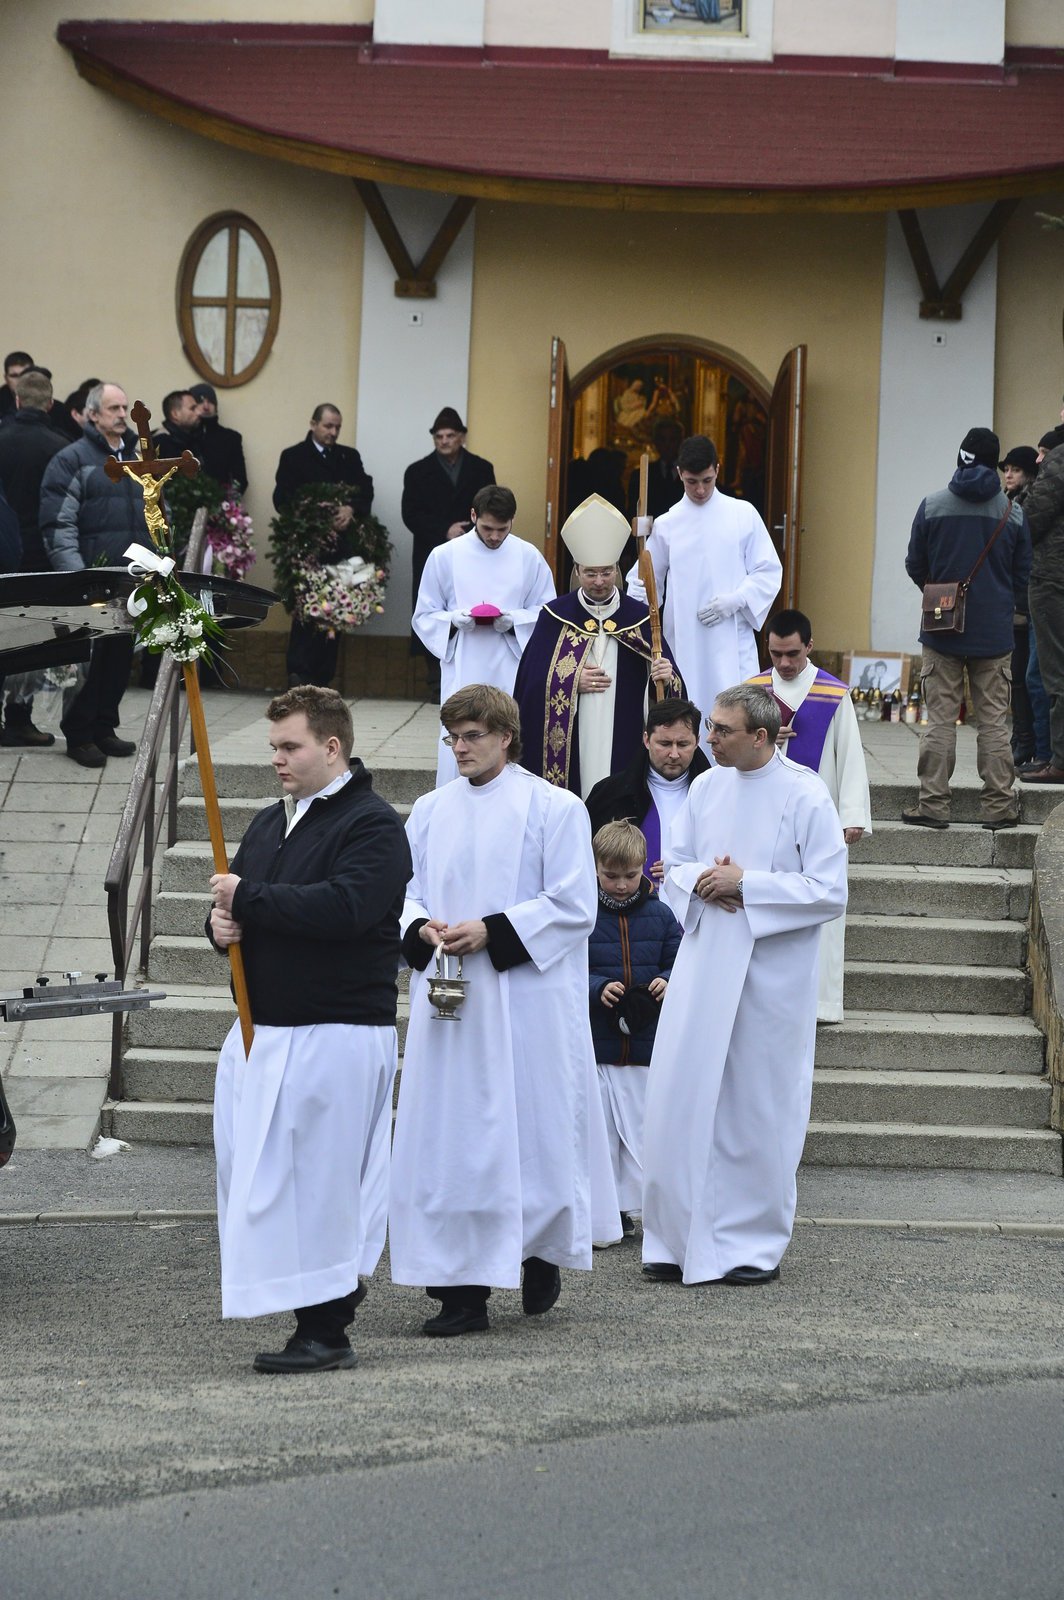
pixel 739 889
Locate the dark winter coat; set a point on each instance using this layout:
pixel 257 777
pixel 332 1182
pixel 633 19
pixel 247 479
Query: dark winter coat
pixel 949 533
pixel 1044 505
pixel 83 514
pixel 320 909
pixel 431 502
pixel 304 463
pixel 221 451
pixel 625 796
pixel 629 945
pixel 27 445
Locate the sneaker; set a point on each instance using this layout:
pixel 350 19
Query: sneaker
pixel 86 755
pixel 25 733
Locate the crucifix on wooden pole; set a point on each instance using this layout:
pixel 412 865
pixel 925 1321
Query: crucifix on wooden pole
pixel 150 473
pixel 641 525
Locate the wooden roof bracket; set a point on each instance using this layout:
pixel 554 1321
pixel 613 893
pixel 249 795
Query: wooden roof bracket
pixel 413 282
pixel 943 303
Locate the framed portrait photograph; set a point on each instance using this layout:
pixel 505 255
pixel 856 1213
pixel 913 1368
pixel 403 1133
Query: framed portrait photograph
pixel 885 670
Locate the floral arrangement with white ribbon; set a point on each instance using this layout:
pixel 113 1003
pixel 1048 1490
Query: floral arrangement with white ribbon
pixel 165 616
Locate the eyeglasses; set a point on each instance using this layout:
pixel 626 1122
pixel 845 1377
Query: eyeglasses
pixel 719 729
pixel 466 738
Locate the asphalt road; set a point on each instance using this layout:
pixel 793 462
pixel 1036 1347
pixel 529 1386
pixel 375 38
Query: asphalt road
pixel 878 1398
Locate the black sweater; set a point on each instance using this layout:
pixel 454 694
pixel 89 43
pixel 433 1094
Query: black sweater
pixel 320 909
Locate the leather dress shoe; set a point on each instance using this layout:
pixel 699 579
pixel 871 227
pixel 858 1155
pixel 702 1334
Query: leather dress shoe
pixel 662 1272
pixel 86 755
pixel 1025 767
pixel 305 1355
pixel 994 824
pixel 453 1320
pixel 541 1284
pixel 920 819
pixel 1045 775
pixel 751 1275
pixel 112 745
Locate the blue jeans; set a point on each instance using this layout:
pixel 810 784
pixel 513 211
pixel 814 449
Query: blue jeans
pixel 1039 705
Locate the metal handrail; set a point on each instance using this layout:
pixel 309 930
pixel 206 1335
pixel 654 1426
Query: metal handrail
pixel 148 809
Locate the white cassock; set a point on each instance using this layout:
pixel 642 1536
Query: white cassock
pixel 301 1132
pixel 595 712
pixel 494 1131
pixel 843 769
pixel 732 1070
pixel 464 573
pixel 717 549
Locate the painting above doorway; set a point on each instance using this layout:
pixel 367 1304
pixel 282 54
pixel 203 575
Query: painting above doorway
pixel 693 16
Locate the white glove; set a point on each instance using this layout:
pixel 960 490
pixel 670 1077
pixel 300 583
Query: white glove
pixel 503 624
pixel 719 608
pixel 709 615
pixel 461 621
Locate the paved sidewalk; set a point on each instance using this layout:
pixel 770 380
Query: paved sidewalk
pixel 57 829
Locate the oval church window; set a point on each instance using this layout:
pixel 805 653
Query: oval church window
pixel 228 299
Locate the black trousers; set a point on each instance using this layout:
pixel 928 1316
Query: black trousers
pixel 93 714
pixel 472 1296
pixel 1023 741
pixel 312 654
pixel 327 1322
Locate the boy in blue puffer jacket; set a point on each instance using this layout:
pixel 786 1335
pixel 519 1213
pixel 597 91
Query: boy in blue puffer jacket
pixel 630 957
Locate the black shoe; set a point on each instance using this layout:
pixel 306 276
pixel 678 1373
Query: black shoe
pixel 1044 775
pixel 662 1272
pixel 24 733
pixel 1025 768
pixel 305 1355
pixel 627 1225
pixel 453 1320
pixel 751 1275
pixel 86 755
pixel 920 819
pixel 993 824
pixel 112 745
pixel 541 1285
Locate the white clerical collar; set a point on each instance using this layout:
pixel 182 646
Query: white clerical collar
pixel 658 780
pixel 294 809
pixel 759 772
pixel 787 686
pixel 599 608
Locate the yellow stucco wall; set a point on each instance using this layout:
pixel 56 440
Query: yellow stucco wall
pixel 97 224
pixel 756 285
pixel 1029 376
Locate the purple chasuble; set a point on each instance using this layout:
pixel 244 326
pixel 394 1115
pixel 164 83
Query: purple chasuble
pixel 560 642
pixel 812 720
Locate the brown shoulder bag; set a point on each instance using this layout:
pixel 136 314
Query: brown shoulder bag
pixel 944 603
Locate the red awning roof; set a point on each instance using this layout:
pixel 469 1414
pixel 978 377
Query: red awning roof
pixel 580 128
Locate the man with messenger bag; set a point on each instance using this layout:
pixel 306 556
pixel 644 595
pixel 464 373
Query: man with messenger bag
pixel 970 555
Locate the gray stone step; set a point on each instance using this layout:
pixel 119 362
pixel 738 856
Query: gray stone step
pixel 909 986
pixel 954 1099
pixel 840 1144
pixel 942 1041
pixel 940 939
pixel 156 1122
pixel 398 781
pixel 194 1018
pixel 1035 801
pixel 181 915
pixel 166 1076
pixel 910 891
pixel 962 845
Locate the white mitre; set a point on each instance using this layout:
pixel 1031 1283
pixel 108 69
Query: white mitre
pixel 596 533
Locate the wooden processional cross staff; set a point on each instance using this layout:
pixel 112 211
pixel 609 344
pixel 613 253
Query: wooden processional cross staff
pixel 641 526
pixel 150 474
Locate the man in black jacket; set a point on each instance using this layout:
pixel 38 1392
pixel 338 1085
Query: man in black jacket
pixel 302 1129
pixel 438 492
pixel 181 426
pixel 319 459
pixel 221 449
pixel 27 445
pixel 950 533
pixel 86 517
pixel 653 787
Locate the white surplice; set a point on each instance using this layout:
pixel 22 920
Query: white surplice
pixel 700 553
pixel 492 1156
pixel 464 573
pixel 731 1074
pixel 301 1132
pixel 842 767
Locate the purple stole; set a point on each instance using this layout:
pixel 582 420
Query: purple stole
pixel 812 721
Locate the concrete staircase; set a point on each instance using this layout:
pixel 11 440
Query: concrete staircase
pixel 936 1065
